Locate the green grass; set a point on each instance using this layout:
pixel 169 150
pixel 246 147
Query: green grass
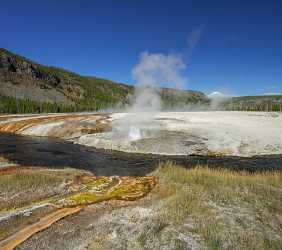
pixel 23 187
pixel 228 210
pixel 19 182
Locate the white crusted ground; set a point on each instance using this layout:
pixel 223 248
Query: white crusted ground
pixel 231 133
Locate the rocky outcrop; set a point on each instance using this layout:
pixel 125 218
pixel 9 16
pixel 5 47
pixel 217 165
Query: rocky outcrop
pixel 10 64
pixel 24 79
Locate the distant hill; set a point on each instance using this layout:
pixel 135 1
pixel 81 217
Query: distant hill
pixel 26 86
pixel 29 87
pixel 253 103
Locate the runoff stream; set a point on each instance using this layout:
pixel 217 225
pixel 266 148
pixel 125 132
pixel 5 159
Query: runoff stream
pixel 57 153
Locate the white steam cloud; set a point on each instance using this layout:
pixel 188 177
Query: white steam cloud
pixel 152 71
pixel 217 98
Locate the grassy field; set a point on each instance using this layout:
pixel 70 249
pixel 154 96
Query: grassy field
pixel 224 209
pixel 20 187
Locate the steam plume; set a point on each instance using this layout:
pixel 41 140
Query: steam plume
pixel 217 98
pixel 150 72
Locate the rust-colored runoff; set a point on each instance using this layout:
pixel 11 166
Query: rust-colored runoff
pixel 14 240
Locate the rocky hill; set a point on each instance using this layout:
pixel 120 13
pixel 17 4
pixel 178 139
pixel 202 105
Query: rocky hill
pixel 22 80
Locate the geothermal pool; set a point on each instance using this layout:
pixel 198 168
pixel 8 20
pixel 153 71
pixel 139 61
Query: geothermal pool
pixel 191 133
pixel 236 140
pixel 167 133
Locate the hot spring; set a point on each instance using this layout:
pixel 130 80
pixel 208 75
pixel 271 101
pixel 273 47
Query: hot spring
pixel 187 133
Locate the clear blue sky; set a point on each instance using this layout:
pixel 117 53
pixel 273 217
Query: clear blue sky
pixel 239 50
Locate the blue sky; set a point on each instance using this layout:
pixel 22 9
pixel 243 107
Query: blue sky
pixel 237 46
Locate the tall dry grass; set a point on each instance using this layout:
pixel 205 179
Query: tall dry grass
pixel 227 209
pixel 23 186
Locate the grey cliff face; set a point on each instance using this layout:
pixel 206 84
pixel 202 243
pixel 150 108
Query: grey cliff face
pixel 11 65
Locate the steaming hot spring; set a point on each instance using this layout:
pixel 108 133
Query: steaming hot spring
pixel 181 133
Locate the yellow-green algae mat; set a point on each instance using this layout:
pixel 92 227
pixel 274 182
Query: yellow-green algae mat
pixel 90 190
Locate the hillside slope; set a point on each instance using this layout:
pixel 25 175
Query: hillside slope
pixel 21 79
pixel 253 103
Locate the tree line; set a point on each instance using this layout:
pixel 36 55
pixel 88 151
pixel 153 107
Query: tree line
pixel 11 105
pixel 265 107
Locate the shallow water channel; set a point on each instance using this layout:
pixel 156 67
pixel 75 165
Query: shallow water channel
pixel 56 153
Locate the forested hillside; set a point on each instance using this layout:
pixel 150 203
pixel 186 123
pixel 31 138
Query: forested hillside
pixel 26 86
